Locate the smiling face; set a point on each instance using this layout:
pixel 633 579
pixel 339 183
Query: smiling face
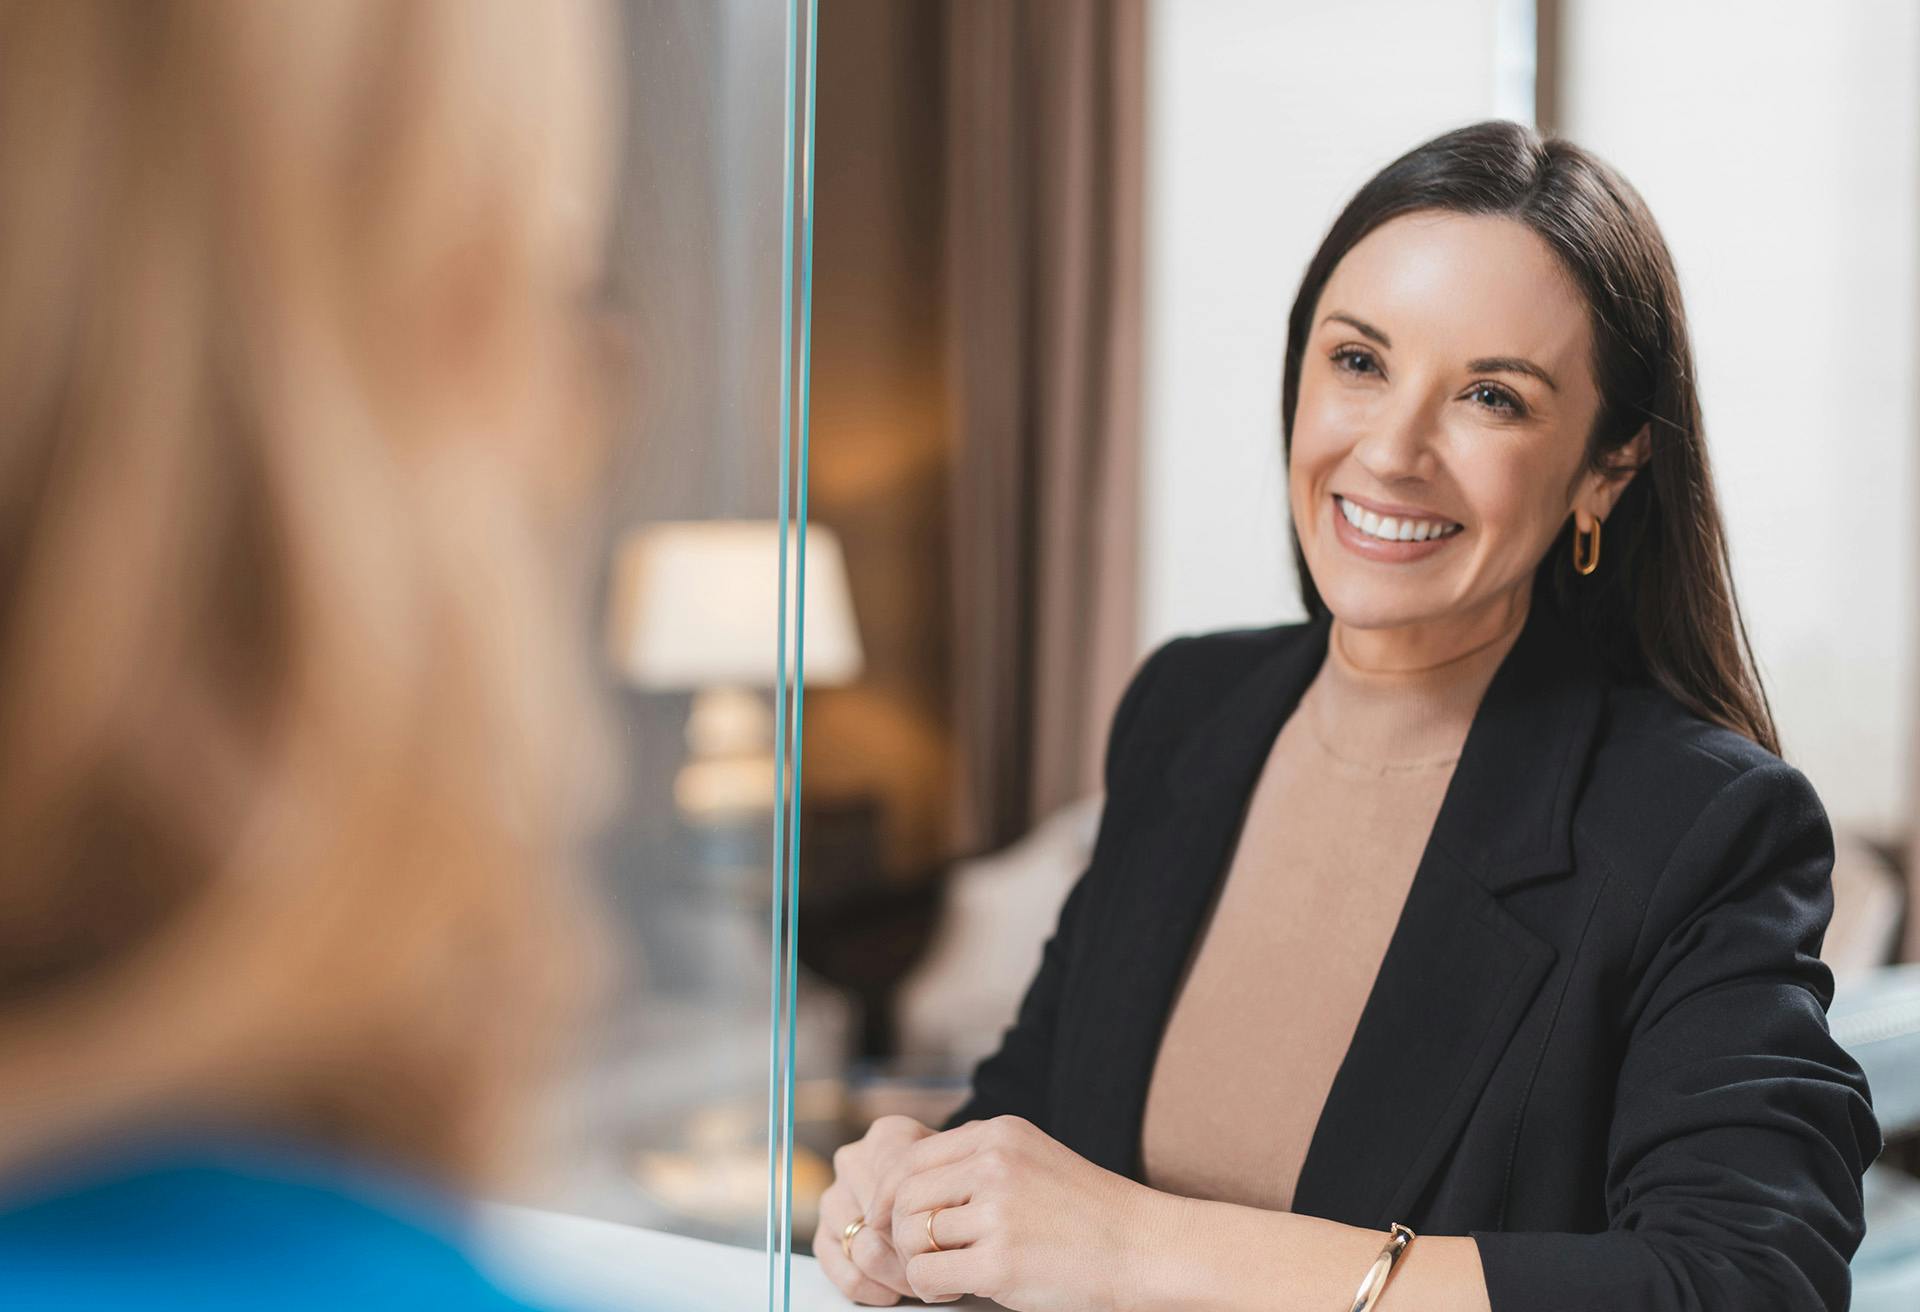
pixel 1445 398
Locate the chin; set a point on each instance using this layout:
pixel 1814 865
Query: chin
pixel 1363 607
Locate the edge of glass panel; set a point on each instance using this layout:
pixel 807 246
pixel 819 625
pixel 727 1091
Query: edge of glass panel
pixel 796 341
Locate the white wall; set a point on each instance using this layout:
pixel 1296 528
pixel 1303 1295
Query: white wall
pixel 1262 119
pixel 1778 143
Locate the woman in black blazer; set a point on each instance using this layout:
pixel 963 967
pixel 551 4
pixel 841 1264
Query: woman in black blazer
pixel 1594 1070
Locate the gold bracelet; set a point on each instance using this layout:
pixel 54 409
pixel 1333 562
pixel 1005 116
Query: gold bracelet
pixel 1376 1279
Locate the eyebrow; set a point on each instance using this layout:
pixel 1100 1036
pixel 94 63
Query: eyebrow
pixel 1490 364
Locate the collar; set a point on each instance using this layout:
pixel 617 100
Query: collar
pixel 1508 811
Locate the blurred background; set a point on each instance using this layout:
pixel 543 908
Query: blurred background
pixel 1055 246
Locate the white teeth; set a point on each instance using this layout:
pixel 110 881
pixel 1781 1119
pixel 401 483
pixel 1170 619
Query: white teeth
pixel 1391 529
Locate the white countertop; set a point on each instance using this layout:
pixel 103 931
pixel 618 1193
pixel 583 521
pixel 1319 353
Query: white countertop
pixel 602 1266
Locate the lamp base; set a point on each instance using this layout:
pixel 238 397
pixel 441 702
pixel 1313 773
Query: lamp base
pixel 729 772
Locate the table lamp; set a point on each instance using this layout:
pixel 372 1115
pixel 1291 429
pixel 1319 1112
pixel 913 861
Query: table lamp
pixel 695 607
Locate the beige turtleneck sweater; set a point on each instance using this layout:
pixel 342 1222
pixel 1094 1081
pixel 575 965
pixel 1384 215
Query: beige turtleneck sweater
pixel 1334 830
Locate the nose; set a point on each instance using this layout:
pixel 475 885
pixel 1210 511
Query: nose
pixel 1399 445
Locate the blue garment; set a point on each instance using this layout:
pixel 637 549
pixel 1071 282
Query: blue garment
pixel 229 1223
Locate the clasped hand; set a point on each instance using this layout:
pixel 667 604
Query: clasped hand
pixel 1017 1217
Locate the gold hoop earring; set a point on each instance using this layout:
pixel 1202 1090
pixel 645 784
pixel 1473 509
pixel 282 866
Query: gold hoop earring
pixel 1592 551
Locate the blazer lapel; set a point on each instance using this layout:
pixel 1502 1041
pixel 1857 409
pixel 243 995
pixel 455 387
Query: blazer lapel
pixel 1459 970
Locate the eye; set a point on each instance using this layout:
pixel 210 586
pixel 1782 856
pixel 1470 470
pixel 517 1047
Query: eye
pixel 1355 360
pixel 1497 398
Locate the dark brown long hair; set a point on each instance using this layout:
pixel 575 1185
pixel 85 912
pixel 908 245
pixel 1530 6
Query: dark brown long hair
pixel 1660 607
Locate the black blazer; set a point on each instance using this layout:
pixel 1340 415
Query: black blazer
pixel 1597 1042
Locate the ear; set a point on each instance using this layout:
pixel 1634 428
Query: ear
pixel 1623 460
pixel 1621 464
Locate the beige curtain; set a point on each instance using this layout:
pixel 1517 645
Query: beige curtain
pixel 1043 212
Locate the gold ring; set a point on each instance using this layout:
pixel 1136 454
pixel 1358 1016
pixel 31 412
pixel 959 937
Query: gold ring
pixel 846 1236
pixel 930 1239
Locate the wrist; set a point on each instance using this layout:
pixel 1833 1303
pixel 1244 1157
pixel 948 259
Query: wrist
pixel 1159 1252
pixel 1185 1259
pixel 1215 1257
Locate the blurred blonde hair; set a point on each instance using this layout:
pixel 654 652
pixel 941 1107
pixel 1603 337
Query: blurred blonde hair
pixel 293 729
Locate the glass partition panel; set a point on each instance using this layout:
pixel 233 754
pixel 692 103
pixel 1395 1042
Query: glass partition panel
pixel 676 1121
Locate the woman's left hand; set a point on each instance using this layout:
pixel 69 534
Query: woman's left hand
pixel 1021 1219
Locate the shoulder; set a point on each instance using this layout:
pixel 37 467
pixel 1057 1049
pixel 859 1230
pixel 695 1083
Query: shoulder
pixel 211 1233
pixel 1185 677
pixel 1196 669
pixel 1673 801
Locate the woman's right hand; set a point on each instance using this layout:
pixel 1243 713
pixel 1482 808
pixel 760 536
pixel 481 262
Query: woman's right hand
pixel 875 1276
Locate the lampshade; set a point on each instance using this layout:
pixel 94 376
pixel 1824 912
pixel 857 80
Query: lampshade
pixel 696 604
